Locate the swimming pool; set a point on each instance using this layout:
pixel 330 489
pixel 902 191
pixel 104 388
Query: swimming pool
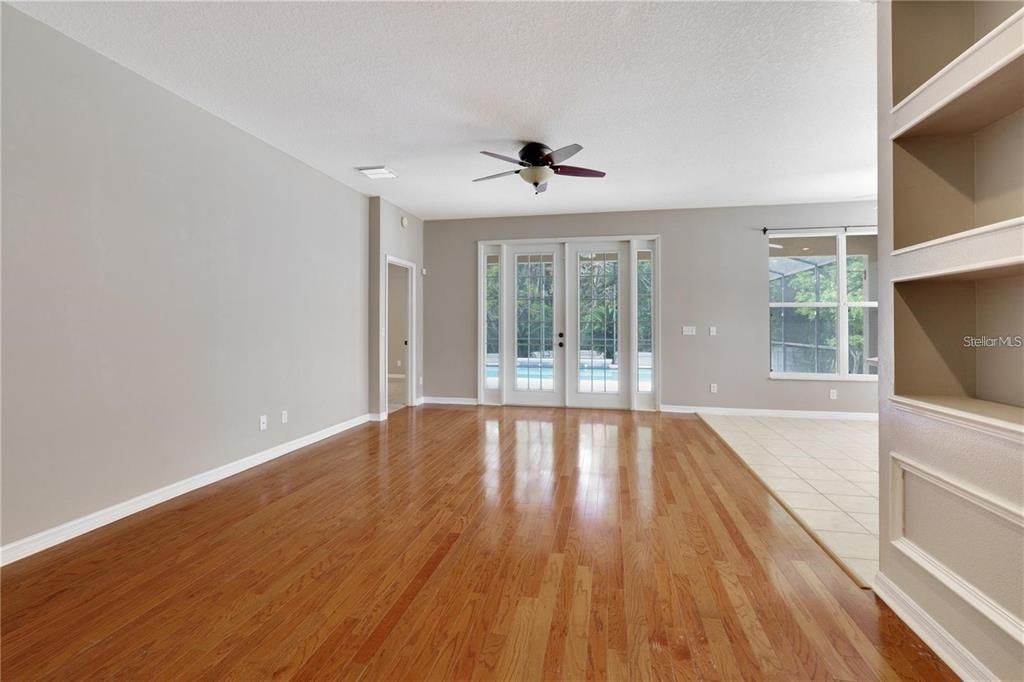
pixel 606 376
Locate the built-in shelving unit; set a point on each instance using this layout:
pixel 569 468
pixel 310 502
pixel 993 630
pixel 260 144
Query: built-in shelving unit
pixel 958 126
pixel 958 210
pixel 951 361
pixel 956 347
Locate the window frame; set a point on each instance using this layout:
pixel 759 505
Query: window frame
pixel 841 305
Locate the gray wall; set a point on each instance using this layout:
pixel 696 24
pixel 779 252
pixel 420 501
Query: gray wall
pixel 398 318
pixel 389 238
pixel 167 278
pixel 714 266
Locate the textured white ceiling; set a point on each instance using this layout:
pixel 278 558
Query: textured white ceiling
pixel 683 104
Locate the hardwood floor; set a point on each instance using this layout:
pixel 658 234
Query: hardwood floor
pixel 459 543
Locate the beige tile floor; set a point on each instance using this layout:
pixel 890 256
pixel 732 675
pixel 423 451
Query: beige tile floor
pixel 824 470
pixel 396 394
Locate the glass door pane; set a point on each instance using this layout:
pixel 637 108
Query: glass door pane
pixel 598 320
pixel 535 333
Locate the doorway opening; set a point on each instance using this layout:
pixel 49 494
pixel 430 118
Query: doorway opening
pixel 398 332
pixel 570 322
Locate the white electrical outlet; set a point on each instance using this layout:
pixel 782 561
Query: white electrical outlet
pixel 714 388
pixel 263 422
pixel 833 394
pixel 712 331
pixel 689 331
pixel 399 362
pixel 421 381
pixel 284 416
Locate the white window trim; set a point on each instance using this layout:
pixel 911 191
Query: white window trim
pixel 842 307
pixel 805 376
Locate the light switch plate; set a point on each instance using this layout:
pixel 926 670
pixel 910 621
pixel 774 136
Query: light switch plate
pixel 689 331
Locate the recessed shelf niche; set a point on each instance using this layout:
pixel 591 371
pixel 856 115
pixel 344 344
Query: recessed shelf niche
pixel 950 183
pixel 938 368
pixel 928 35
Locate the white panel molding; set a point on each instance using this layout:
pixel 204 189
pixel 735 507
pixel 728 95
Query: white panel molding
pixel 947 647
pixel 24 547
pixel 443 400
pixel 950 579
pixel 969 420
pixel 755 412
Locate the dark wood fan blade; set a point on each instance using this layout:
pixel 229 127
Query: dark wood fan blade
pixel 578 172
pixel 504 158
pixel 563 154
pixel 542 187
pixel 496 175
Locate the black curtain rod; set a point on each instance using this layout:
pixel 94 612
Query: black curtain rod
pixel 764 230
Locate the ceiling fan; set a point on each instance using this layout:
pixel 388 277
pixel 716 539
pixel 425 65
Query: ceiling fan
pixel 539 163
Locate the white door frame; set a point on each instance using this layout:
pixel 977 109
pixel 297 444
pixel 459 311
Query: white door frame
pixel 410 350
pixel 636 242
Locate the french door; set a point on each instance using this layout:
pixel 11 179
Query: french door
pixel 567 323
pixel 534 332
pixel 597 308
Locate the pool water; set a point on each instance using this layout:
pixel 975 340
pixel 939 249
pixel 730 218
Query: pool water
pixel 585 373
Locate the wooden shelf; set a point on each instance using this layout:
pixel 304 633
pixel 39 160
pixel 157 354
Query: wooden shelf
pixel 977 88
pixel 1006 421
pixel 979 103
pixel 971 250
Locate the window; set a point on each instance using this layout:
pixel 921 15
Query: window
pixel 492 359
pixel 644 321
pixel 823 304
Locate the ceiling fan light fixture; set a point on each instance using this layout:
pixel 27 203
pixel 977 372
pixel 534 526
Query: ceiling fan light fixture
pixel 536 175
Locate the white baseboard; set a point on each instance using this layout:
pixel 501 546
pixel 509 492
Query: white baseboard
pixel 449 401
pixel 945 646
pixel 24 547
pixel 752 412
pixel 396 376
pixel 417 402
pixel 377 416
